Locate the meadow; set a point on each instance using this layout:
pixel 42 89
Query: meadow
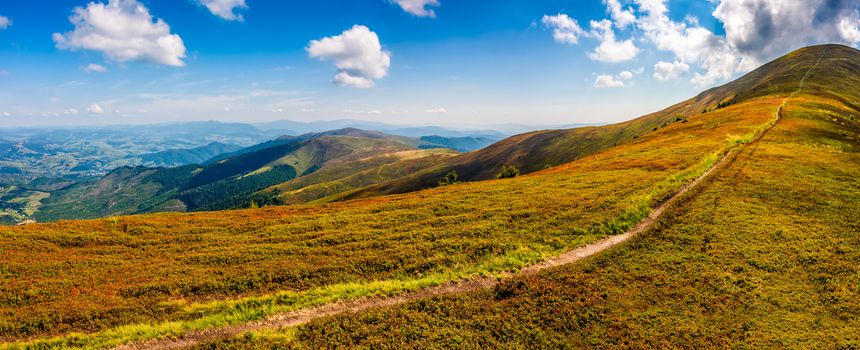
pixel 764 254
pixel 107 282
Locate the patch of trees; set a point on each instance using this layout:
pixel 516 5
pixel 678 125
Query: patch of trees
pixel 451 178
pixel 234 192
pixel 508 171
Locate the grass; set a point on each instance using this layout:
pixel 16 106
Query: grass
pixel 112 278
pixel 733 265
pixel 763 255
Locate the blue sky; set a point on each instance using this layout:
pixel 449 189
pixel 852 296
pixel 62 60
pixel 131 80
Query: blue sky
pixel 444 62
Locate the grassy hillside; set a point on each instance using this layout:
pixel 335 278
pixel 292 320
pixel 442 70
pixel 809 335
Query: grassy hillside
pixel 764 255
pixel 179 157
pixel 344 176
pixel 740 261
pixel 126 190
pixel 537 150
pixel 335 161
pixel 290 257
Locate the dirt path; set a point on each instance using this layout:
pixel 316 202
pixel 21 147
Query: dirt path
pixel 299 317
pixel 296 318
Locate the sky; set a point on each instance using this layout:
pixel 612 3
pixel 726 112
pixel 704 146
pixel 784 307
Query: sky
pixel 419 62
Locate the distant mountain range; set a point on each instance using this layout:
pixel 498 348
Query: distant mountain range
pixel 79 152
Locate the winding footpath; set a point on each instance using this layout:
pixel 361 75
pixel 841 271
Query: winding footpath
pixel 299 317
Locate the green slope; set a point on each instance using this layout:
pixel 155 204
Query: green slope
pixel 179 157
pixel 232 182
pixel 537 150
pixel 764 254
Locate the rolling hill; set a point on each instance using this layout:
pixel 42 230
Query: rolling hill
pixel 180 157
pixel 760 253
pixel 329 160
pixel 540 149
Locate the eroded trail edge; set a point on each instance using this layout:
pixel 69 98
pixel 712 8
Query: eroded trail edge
pixel 299 317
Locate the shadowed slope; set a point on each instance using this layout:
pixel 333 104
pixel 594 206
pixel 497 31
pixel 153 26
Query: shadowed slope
pixel 534 151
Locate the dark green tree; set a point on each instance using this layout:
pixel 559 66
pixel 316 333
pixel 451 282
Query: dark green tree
pixel 450 178
pixel 508 171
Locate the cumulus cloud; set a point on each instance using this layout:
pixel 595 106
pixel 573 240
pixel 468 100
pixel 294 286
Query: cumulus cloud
pixel 7 114
pixel 5 22
pixel 225 9
pixel 565 30
pixel 611 50
pixel 609 81
pixel 764 28
pixel 755 31
pixel 122 30
pixel 356 53
pixel 95 68
pixel 95 109
pixel 418 8
pixel 622 17
pixel 664 71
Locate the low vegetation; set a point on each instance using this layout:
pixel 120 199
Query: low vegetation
pixel 90 276
pixel 762 255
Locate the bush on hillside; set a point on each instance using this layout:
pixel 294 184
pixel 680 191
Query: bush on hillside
pixel 451 178
pixel 508 171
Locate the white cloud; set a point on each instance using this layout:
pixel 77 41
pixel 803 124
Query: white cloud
pixel 418 8
pixel 756 31
pixel 225 9
pixel 765 28
pixel 7 114
pixel 95 68
pixel 849 28
pixel 664 71
pixel 356 53
pixel 5 22
pixel 123 30
pixel 611 50
pixel 691 44
pixel 622 17
pixel 95 109
pixel 607 81
pixel 610 81
pixel 71 111
pixel 347 79
pixel 565 30
pixel 436 111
